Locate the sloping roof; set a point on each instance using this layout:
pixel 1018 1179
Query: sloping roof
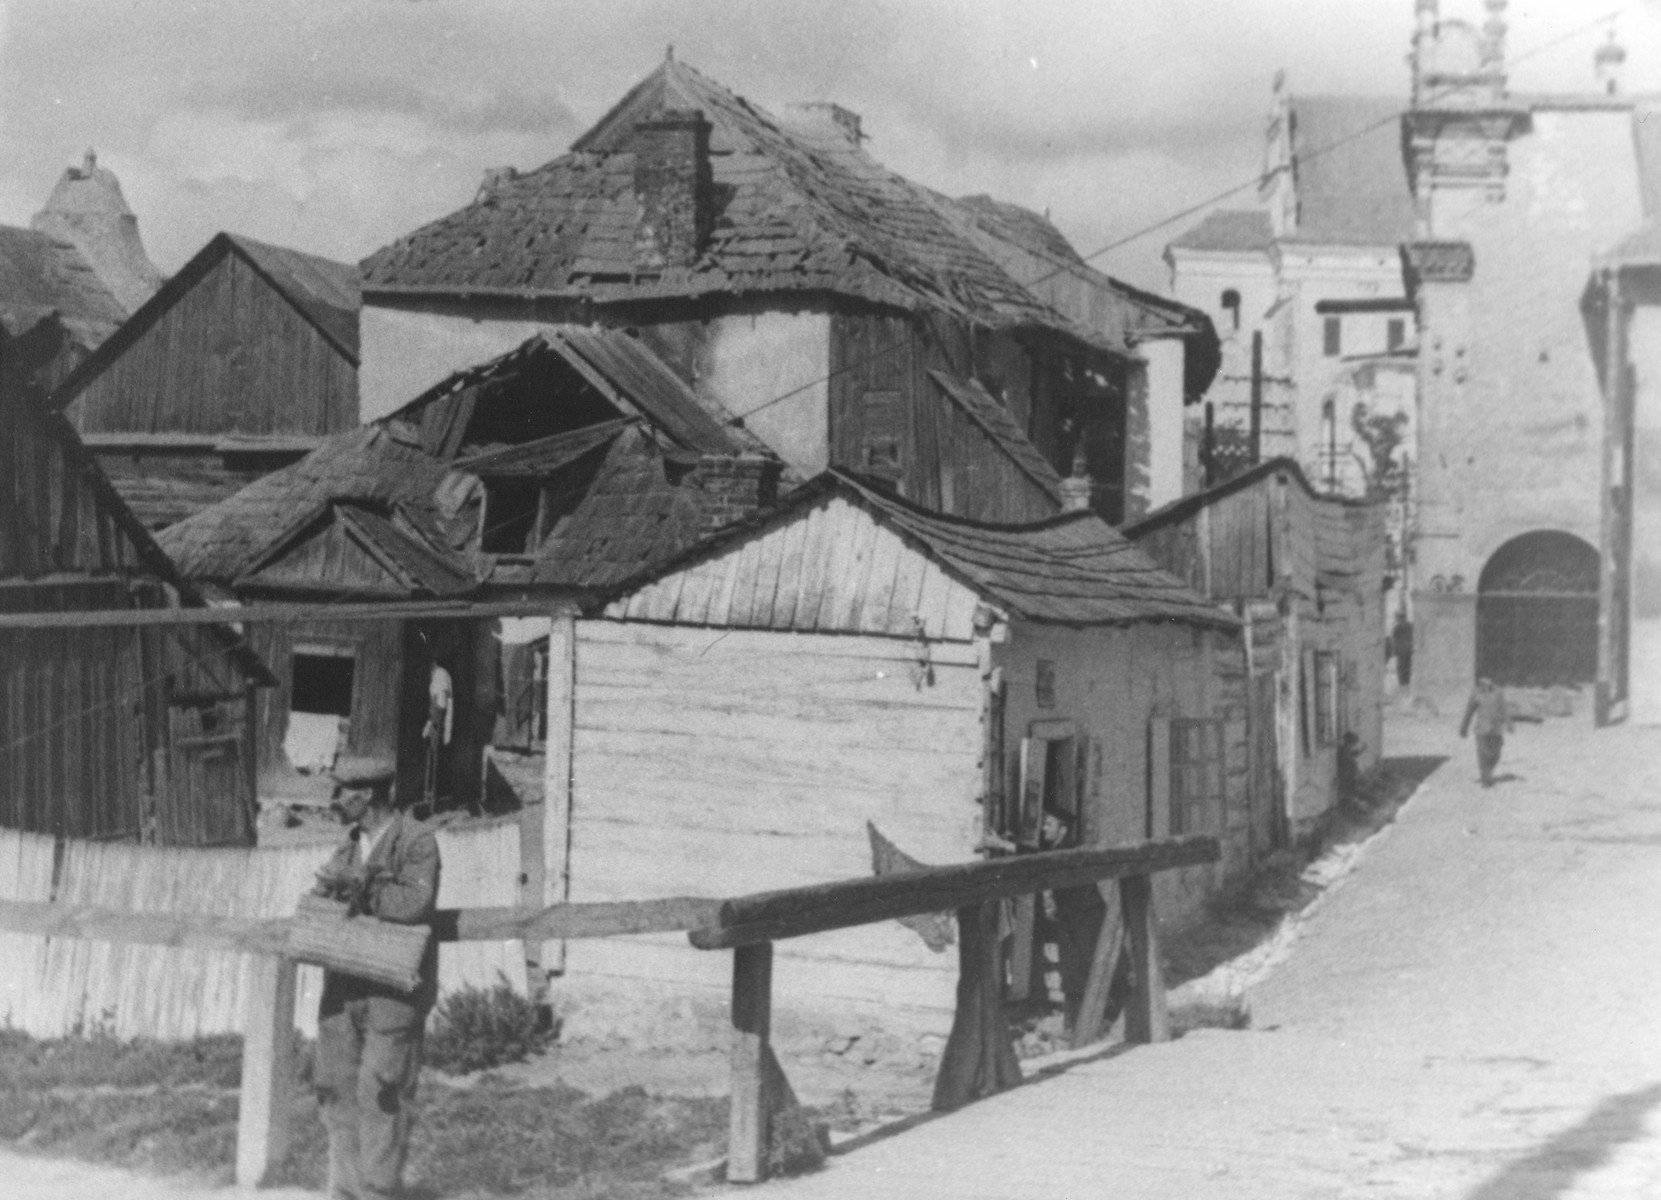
pixel 1228 230
pixel 381 464
pixel 348 547
pixel 544 454
pixel 325 293
pixel 1021 226
pixel 1184 507
pixel 623 370
pixel 41 275
pixel 1073 569
pixel 631 517
pixel 1351 184
pixel 801 209
pixel 999 424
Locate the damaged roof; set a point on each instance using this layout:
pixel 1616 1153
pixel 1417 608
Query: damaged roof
pixel 800 207
pixel 1073 569
pixel 359 549
pixel 40 276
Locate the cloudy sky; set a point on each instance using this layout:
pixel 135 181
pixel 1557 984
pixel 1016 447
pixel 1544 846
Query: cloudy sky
pixel 336 125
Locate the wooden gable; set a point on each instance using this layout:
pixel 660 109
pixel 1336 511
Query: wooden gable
pixel 219 351
pixel 826 567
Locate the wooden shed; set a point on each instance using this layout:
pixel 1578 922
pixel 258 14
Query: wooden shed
pixel 242 363
pixel 850 676
pixel 1305 572
pixel 106 730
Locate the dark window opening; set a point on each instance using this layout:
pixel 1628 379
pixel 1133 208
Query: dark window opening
pixel 1332 337
pixel 1231 305
pixel 1395 333
pixel 510 511
pixel 322 683
pixel 544 397
pixel 1327 716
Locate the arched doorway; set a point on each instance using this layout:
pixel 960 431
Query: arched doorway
pixel 1537 612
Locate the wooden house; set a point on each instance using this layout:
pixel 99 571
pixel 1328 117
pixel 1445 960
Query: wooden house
pixel 241 363
pixel 841 312
pixel 1305 573
pixel 851 671
pixel 107 730
pixel 563 467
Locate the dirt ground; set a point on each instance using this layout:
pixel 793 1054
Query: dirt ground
pixel 1466 1010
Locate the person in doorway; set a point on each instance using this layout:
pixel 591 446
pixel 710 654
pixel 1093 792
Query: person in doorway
pixel 441 707
pixel 369 1035
pixel 1491 718
pixel 1401 647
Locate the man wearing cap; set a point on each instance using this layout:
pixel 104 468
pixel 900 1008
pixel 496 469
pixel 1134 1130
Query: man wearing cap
pixel 369 1034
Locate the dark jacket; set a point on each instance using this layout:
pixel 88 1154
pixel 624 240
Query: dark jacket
pixel 403 890
pixel 1489 713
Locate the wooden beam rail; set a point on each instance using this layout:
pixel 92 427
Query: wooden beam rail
pixel 978 1058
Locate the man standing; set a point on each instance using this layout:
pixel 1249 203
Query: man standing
pixel 1488 710
pixel 1401 647
pixel 369 1034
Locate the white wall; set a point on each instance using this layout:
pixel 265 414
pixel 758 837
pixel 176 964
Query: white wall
pixel 402 353
pixel 1165 393
pixel 750 361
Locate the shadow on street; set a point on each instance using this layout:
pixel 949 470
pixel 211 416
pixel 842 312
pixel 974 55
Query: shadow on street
pixel 1412 769
pixel 1551 1168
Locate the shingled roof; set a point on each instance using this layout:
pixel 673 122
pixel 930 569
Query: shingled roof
pixel 801 209
pixel 1073 569
pixel 1229 231
pixel 41 275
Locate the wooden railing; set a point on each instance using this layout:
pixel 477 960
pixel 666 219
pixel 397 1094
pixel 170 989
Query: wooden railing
pixel 978 1058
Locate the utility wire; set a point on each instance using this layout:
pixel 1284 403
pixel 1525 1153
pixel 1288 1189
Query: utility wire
pixel 1203 205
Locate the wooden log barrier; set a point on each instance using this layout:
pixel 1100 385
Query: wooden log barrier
pixel 979 1058
pixel 1146 1019
pixel 262 1128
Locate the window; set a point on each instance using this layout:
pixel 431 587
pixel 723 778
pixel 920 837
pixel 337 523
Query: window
pixel 1231 306
pixel 510 508
pixel 1326 698
pixel 320 680
pixel 1196 776
pixel 1395 333
pixel 1332 337
pixel 883 414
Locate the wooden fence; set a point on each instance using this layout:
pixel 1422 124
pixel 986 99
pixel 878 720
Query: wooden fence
pixel 978 1059
pixel 53 986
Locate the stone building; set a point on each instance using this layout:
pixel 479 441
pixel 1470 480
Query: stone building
pixel 1306 292
pixel 1517 197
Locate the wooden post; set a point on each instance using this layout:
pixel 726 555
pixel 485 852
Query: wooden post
pixel 1092 1012
pixel 545 829
pixel 267 1069
pixel 978 1059
pixel 752 1009
pixel 1145 1016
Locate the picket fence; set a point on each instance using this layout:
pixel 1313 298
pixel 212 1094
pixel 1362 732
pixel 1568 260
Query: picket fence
pixel 50 987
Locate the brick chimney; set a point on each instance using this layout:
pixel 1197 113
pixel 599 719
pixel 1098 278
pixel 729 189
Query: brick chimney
pixel 674 188
pixel 735 486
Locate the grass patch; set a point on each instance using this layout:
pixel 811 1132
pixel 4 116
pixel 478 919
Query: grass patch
pixel 171 1108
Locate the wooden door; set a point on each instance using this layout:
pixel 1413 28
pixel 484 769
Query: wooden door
pixel 208 796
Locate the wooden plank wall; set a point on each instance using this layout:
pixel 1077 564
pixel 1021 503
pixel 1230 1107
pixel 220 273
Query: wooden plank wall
pixel 25 874
pixel 231 356
pixel 948 461
pixel 713 763
pixel 51 987
pixel 828 568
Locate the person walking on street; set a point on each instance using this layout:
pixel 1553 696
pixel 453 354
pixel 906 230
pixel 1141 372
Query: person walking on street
pixel 1488 711
pixel 369 1034
pixel 1401 648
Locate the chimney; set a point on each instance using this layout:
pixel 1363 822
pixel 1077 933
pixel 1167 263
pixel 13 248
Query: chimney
pixel 1078 489
pixel 674 188
pixel 735 486
pixel 87 210
pixel 494 178
pixel 1608 61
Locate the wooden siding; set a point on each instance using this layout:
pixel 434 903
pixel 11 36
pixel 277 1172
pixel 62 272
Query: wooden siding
pixel 232 355
pixel 828 568
pixel 165 488
pixel 715 763
pixel 880 388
